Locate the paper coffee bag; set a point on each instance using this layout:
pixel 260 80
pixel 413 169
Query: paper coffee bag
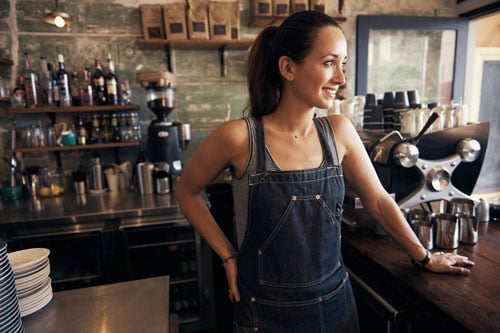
pixel 319 6
pixel 197 18
pixel 234 16
pixel 152 21
pixel 298 5
pixel 281 7
pixel 219 20
pixel 262 7
pixel 174 17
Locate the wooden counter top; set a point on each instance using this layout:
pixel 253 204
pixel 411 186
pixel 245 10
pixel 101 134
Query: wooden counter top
pixel 457 302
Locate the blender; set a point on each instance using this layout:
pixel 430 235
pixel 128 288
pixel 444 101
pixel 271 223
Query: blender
pixel 165 138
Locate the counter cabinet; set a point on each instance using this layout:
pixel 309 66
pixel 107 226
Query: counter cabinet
pixel 394 295
pixel 110 250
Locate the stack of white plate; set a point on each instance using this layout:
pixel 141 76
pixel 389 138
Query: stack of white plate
pixel 10 317
pixel 31 269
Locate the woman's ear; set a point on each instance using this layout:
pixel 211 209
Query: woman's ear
pixel 286 68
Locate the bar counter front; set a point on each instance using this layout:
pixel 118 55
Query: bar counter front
pixel 407 298
pixel 411 298
pixel 111 238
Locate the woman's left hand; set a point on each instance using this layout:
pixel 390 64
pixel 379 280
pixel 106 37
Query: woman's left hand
pixel 449 263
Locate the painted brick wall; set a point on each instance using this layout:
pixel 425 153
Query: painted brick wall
pixel 204 98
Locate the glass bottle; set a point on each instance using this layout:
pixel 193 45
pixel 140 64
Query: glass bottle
pixel 115 129
pixel 81 131
pixel 99 83
pixel 95 130
pixel 63 83
pixel 55 87
pixel 88 89
pixel 76 89
pixel 105 130
pixel 31 86
pixel 45 80
pixel 112 83
pixel 18 98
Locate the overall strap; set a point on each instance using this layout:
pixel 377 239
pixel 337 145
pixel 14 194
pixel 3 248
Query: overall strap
pixel 261 145
pixel 331 146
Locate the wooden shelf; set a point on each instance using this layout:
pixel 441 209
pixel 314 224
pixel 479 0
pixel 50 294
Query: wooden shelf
pixel 264 21
pixel 4 99
pixel 74 109
pixel 77 147
pixel 197 44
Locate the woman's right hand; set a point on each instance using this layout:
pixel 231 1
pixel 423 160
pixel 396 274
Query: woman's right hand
pixel 231 267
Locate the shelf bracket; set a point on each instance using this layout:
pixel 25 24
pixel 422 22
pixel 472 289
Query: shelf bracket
pixel 168 53
pixel 222 55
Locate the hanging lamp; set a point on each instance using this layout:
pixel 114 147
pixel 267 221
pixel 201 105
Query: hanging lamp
pixel 57 18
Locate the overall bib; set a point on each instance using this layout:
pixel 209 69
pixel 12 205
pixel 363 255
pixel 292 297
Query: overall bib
pixel 291 276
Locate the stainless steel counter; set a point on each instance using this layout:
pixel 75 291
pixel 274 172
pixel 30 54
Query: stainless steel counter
pixel 72 208
pixel 133 306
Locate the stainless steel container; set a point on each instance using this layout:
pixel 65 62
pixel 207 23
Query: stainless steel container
pixel 447 230
pixel 96 173
pixel 458 206
pixel 468 229
pixel 145 177
pixel 162 183
pixel 424 232
pixel 416 216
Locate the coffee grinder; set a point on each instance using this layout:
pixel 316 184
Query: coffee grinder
pixel 165 138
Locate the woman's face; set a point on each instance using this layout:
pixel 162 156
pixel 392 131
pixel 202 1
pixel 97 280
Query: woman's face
pixel 317 79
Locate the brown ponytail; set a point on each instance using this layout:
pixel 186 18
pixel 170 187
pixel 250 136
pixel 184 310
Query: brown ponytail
pixel 262 76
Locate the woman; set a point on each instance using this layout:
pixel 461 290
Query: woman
pixel 288 170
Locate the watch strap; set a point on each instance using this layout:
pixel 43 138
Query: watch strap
pixel 424 261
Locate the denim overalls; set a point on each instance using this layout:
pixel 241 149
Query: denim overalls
pixel 291 275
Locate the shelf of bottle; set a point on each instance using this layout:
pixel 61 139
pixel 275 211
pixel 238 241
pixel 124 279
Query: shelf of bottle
pixel 74 109
pixel 4 99
pixel 77 147
pixel 200 44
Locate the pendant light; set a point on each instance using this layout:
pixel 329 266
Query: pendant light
pixel 59 19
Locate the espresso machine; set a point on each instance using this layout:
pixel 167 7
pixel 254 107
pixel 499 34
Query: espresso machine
pixel 423 171
pixel 442 165
pixel 165 138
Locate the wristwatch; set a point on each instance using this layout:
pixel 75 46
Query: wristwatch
pixel 424 261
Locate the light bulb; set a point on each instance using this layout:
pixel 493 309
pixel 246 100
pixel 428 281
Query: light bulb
pixel 59 21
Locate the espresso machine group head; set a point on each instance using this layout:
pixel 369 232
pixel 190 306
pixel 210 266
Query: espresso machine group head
pixel 165 137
